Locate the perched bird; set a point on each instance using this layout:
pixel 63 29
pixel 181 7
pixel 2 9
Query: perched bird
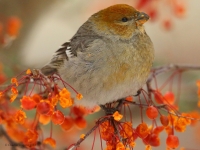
pixel 109 57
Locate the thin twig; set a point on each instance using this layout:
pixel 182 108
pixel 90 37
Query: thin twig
pixel 197 119
pixel 146 105
pixel 12 143
pixel 162 69
pixel 164 107
pixel 74 146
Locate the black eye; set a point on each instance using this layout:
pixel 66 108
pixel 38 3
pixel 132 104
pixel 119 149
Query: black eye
pixel 124 19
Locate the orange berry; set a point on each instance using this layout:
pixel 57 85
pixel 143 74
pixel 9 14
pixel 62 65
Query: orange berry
pixel 106 131
pixel 14 90
pixel 27 103
pixel 172 119
pixel 17 134
pixel 198 92
pixel 196 116
pixel 148 147
pixel 198 83
pixel 158 97
pixel 152 112
pixel 65 93
pixel 117 116
pixel 107 135
pixel 180 128
pixel 2 78
pixel 187 120
pixel 135 135
pixel 36 98
pixel 68 123
pixel 180 125
pixel 28 71
pixel 153 14
pixel 167 24
pixel 172 141
pixel 120 146
pixel 13 26
pixel 127 130
pixel 158 129
pixel 14 81
pixel 154 140
pixel 50 141
pixel 44 119
pixel 44 107
pixel 50 113
pixel 142 130
pixel 93 110
pixel 146 139
pixel 54 99
pixel 129 98
pixel 198 103
pixel 79 110
pixel 169 97
pixel 65 102
pixel 57 117
pixel 30 138
pixel 169 130
pixel 164 120
pixel 1 94
pixel 142 3
pixel 20 117
pixel 180 10
pixel 79 96
pixel 14 94
pixel 80 122
pixel 82 136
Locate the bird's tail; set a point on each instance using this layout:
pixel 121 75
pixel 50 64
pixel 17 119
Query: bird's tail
pixel 52 67
pixel 57 60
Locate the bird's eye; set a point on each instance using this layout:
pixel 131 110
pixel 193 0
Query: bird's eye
pixel 124 19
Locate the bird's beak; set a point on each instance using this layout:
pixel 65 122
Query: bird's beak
pixel 141 18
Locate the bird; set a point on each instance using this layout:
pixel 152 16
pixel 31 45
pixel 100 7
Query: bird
pixel 109 57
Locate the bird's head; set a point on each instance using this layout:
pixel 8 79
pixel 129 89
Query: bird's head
pixel 119 20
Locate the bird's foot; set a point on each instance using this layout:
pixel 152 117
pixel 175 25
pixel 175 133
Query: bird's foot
pixel 110 109
pixel 138 92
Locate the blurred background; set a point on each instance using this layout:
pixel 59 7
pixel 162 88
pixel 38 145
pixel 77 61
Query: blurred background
pixel 42 26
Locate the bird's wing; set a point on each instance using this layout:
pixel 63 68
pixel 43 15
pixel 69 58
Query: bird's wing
pixel 68 50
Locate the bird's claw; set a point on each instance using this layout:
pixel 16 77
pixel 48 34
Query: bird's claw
pixel 112 110
pixel 138 92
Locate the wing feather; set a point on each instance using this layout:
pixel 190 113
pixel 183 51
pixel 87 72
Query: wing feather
pixel 79 43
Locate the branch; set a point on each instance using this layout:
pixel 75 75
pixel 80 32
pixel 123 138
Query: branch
pixel 74 146
pixel 162 69
pixel 11 142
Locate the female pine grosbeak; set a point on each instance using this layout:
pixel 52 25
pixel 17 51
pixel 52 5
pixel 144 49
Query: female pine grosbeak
pixel 109 58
